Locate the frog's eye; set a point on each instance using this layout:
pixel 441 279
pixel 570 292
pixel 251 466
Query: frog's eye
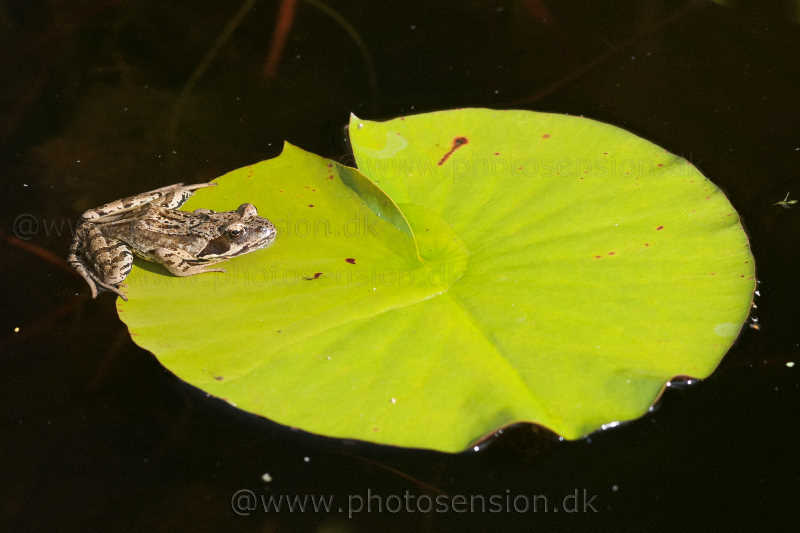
pixel 235 232
pixel 247 211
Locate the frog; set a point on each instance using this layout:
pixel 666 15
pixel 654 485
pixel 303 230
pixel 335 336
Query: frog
pixel 151 227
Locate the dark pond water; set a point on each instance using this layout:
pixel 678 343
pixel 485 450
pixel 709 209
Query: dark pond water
pixel 103 98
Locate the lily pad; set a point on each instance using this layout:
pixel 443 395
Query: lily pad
pixel 494 267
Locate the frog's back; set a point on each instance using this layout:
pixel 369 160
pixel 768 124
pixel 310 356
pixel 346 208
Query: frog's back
pixel 158 227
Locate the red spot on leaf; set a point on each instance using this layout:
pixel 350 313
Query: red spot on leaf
pixel 659 228
pixel 351 260
pixel 611 253
pixel 218 378
pixel 660 164
pixel 316 276
pixel 310 205
pixel 546 136
pixel 497 153
pixel 647 244
pixel 330 177
pixel 598 257
pixel 458 142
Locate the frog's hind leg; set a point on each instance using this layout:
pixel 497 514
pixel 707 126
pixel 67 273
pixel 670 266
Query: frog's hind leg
pixel 76 263
pixel 178 196
pixel 117 207
pixel 100 260
pixel 171 196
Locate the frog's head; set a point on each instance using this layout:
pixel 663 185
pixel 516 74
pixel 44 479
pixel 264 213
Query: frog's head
pixel 247 232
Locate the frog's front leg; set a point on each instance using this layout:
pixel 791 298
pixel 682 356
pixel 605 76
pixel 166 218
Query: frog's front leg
pixel 171 196
pixel 100 260
pixel 182 263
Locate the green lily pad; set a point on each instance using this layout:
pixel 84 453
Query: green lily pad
pixel 496 267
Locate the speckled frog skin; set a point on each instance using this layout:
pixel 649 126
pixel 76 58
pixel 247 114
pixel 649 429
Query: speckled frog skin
pixel 150 226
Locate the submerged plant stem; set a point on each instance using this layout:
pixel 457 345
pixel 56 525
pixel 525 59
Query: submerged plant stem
pixel 201 68
pixel 356 37
pixel 282 27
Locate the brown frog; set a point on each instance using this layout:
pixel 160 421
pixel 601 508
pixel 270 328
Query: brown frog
pixel 150 226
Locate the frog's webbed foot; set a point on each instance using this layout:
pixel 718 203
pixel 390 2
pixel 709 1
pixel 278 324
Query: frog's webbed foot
pixel 114 289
